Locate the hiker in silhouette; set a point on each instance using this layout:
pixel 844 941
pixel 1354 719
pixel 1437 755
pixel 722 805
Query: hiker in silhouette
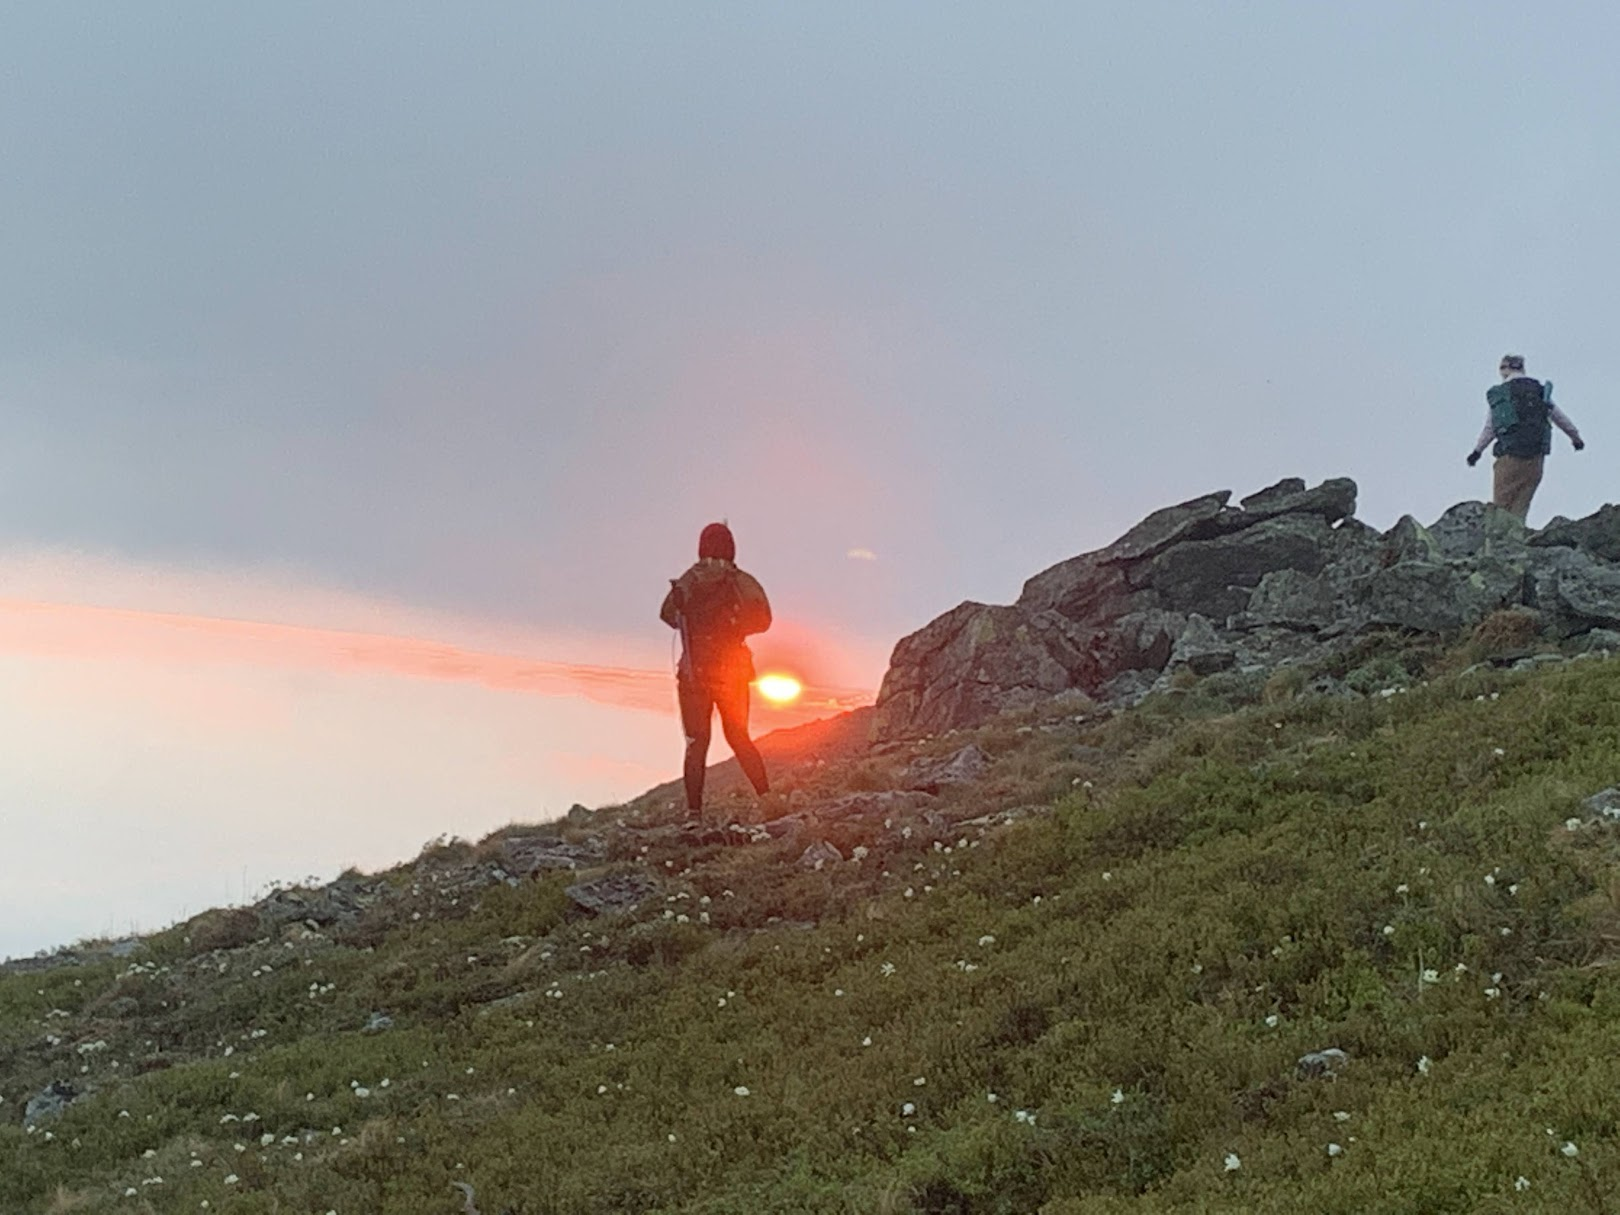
pixel 714 606
pixel 1520 415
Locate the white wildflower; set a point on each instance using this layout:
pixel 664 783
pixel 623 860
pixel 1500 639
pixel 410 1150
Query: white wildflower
pixel 741 1090
pixel 1570 1150
pixel 1233 1164
pixel 908 1109
pixel 1341 1115
pixel 1118 1097
pixel 1334 1149
pixel 1521 1184
pixel 1423 1065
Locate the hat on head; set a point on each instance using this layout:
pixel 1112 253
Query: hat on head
pixel 717 541
pixel 1513 362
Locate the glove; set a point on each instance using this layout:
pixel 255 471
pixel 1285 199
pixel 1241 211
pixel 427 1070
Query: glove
pixel 1473 458
pixel 1580 444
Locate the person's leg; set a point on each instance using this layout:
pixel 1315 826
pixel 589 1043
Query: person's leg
pixel 1502 481
pixel 697 709
pixel 1514 481
pixel 732 701
pixel 1529 481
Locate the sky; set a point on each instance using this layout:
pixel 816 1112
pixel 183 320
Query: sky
pixel 366 371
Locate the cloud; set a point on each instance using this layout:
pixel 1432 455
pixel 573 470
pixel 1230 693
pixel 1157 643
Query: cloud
pixel 100 609
pixel 861 554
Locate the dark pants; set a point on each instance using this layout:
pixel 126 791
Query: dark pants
pixel 698 702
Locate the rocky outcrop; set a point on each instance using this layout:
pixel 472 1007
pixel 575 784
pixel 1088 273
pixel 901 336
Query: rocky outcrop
pixel 1284 576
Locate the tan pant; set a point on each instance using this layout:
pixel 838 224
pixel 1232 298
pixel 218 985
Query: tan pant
pixel 1514 482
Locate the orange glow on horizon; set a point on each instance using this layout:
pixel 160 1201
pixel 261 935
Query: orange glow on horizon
pixel 778 688
pixel 87 632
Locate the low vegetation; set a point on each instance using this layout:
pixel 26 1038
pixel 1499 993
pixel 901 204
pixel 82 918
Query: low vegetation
pixel 1100 1006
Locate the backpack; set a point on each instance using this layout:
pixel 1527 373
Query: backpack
pixel 709 602
pixel 1521 415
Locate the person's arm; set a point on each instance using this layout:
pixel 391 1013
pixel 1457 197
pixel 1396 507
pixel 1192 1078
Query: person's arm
pixel 1485 437
pixel 1561 420
pixel 753 609
pixel 668 612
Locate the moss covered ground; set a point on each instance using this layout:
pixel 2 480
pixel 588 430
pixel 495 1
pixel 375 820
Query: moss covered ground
pixel 1099 1007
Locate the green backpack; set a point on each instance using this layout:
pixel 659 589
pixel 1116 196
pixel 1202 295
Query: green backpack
pixel 1521 415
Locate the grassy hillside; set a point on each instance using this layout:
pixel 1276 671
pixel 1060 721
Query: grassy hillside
pixel 1081 984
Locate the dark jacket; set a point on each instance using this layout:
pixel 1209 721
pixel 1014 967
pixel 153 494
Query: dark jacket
pixel 715 605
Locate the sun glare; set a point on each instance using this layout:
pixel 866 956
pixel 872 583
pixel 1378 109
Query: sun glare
pixel 779 689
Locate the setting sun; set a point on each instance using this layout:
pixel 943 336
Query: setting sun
pixel 779 689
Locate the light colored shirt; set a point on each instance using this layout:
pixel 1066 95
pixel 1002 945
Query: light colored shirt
pixel 1559 419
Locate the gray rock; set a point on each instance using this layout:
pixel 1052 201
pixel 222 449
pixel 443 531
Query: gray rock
pixel 1201 650
pixel 1280 492
pixel 1190 520
pixel 1319 1063
pixel 578 815
pixel 527 854
pixel 1087 588
pixel 341 901
pixel 1478 529
pixel 874 804
pixel 1216 577
pixel 1597 535
pixel 1579 590
pixel 1332 501
pixel 1599 641
pixel 819 855
pixel 49 1102
pixel 1439 597
pixel 975 662
pixel 1604 805
pixel 930 774
pixel 613 893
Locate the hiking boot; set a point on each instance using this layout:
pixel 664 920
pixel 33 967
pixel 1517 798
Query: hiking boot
pixel 773 805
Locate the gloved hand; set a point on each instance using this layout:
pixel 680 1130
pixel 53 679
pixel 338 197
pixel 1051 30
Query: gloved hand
pixel 1580 444
pixel 1473 458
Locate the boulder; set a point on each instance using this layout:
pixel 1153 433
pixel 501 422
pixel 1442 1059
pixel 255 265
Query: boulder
pixel 1333 500
pixel 1597 535
pixel 1201 650
pixel 1478 529
pixel 930 774
pixel 976 661
pixel 49 1102
pixel 819 855
pixel 541 853
pixel 1286 576
pixel 1215 577
pixel 612 893
pixel 1319 1063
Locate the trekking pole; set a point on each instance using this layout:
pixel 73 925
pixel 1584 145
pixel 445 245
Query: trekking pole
pixel 683 665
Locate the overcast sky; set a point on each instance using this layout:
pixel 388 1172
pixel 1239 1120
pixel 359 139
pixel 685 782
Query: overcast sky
pixel 454 324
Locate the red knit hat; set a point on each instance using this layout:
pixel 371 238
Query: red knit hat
pixel 717 541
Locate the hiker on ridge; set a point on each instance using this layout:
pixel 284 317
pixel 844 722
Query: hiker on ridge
pixel 715 606
pixel 1520 415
